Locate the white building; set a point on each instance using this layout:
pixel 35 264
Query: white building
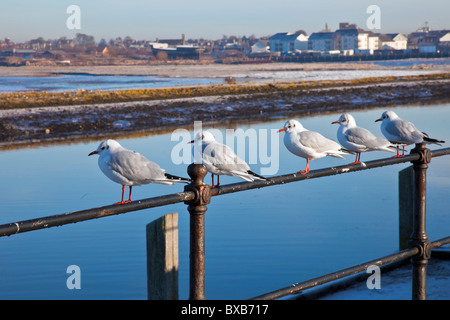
pixel 357 39
pixel 444 43
pixel 288 42
pixel 393 41
pixel 261 46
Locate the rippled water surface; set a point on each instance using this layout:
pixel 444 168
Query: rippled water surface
pixel 256 241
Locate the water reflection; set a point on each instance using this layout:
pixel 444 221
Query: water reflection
pixel 256 241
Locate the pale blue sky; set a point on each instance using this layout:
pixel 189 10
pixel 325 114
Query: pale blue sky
pixel 28 19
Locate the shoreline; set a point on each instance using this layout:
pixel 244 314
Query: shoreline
pixel 214 105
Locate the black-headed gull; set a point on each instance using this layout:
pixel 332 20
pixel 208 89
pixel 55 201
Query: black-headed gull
pixel 309 144
pixel 402 132
pixel 219 159
pixel 130 168
pixel 357 139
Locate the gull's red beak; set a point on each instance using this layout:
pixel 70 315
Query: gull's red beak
pixel 281 130
pixel 378 120
pixel 93 152
pixel 335 122
pixel 192 141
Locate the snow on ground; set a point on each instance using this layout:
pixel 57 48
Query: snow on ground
pixel 328 74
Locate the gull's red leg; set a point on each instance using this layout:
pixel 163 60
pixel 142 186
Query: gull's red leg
pixel 123 193
pixel 129 197
pixel 307 167
pixel 358 156
pixel 212 179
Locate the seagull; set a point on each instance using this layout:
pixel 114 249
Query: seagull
pixel 219 159
pixel 402 132
pixel 309 144
pixel 130 168
pixel 358 139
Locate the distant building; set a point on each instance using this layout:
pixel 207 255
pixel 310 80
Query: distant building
pixel 64 43
pixel 261 46
pixel 179 52
pixel 444 43
pixel 350 37
pixel 428 44
pixel 393 41
pixel 288 42
pixel 22 53
pixel 322 41
pixel 173 42
pixel 54 54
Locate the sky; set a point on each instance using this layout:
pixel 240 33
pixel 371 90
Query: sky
pixel 22 20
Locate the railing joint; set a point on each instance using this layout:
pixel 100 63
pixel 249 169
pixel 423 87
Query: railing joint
pixel 202 191
pixel 424 247
pixel 423 152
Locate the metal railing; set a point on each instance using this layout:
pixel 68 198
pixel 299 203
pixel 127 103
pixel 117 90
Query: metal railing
pixel 198 194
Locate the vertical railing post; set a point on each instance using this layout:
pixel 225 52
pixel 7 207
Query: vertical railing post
pixel 419 237
pixel 197 208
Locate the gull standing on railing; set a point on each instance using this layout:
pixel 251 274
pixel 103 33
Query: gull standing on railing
pixel 130 168
pixel 309 144
pixel 358 139
pixel 402 132
pixel 219 159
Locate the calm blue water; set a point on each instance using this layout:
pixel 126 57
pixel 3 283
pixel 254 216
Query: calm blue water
pixel 70 82
pixel 256 241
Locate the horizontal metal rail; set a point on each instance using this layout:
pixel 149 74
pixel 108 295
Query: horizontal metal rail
pixel 94 213
pixel 89 214
pixel 301 286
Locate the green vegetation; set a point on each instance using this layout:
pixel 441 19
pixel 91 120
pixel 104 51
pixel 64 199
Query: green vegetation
pixel 32 99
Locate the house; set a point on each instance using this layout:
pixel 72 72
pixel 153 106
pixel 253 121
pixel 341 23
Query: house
pixel 179 52
pixel 428 44
pixel 322 41
pixel 54 54
pixel 64 43
pixel 261 46
pixel 444 43
pixel 288 42
pixel 393 41
pixel 22 53
pixel 173 42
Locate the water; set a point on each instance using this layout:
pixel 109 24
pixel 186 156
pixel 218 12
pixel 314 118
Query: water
pixel 256 241
pixel 71 82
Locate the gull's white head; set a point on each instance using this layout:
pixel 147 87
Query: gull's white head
pixel 204 136
pixel 347 120
pixel 292 126
pixel 388 115
pixel 106 146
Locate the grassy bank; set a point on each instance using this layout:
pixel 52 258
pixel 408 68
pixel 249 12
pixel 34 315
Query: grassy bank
pixel 32 99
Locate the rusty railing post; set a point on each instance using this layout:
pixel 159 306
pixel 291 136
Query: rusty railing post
pixel 197 208
pixel 419 237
